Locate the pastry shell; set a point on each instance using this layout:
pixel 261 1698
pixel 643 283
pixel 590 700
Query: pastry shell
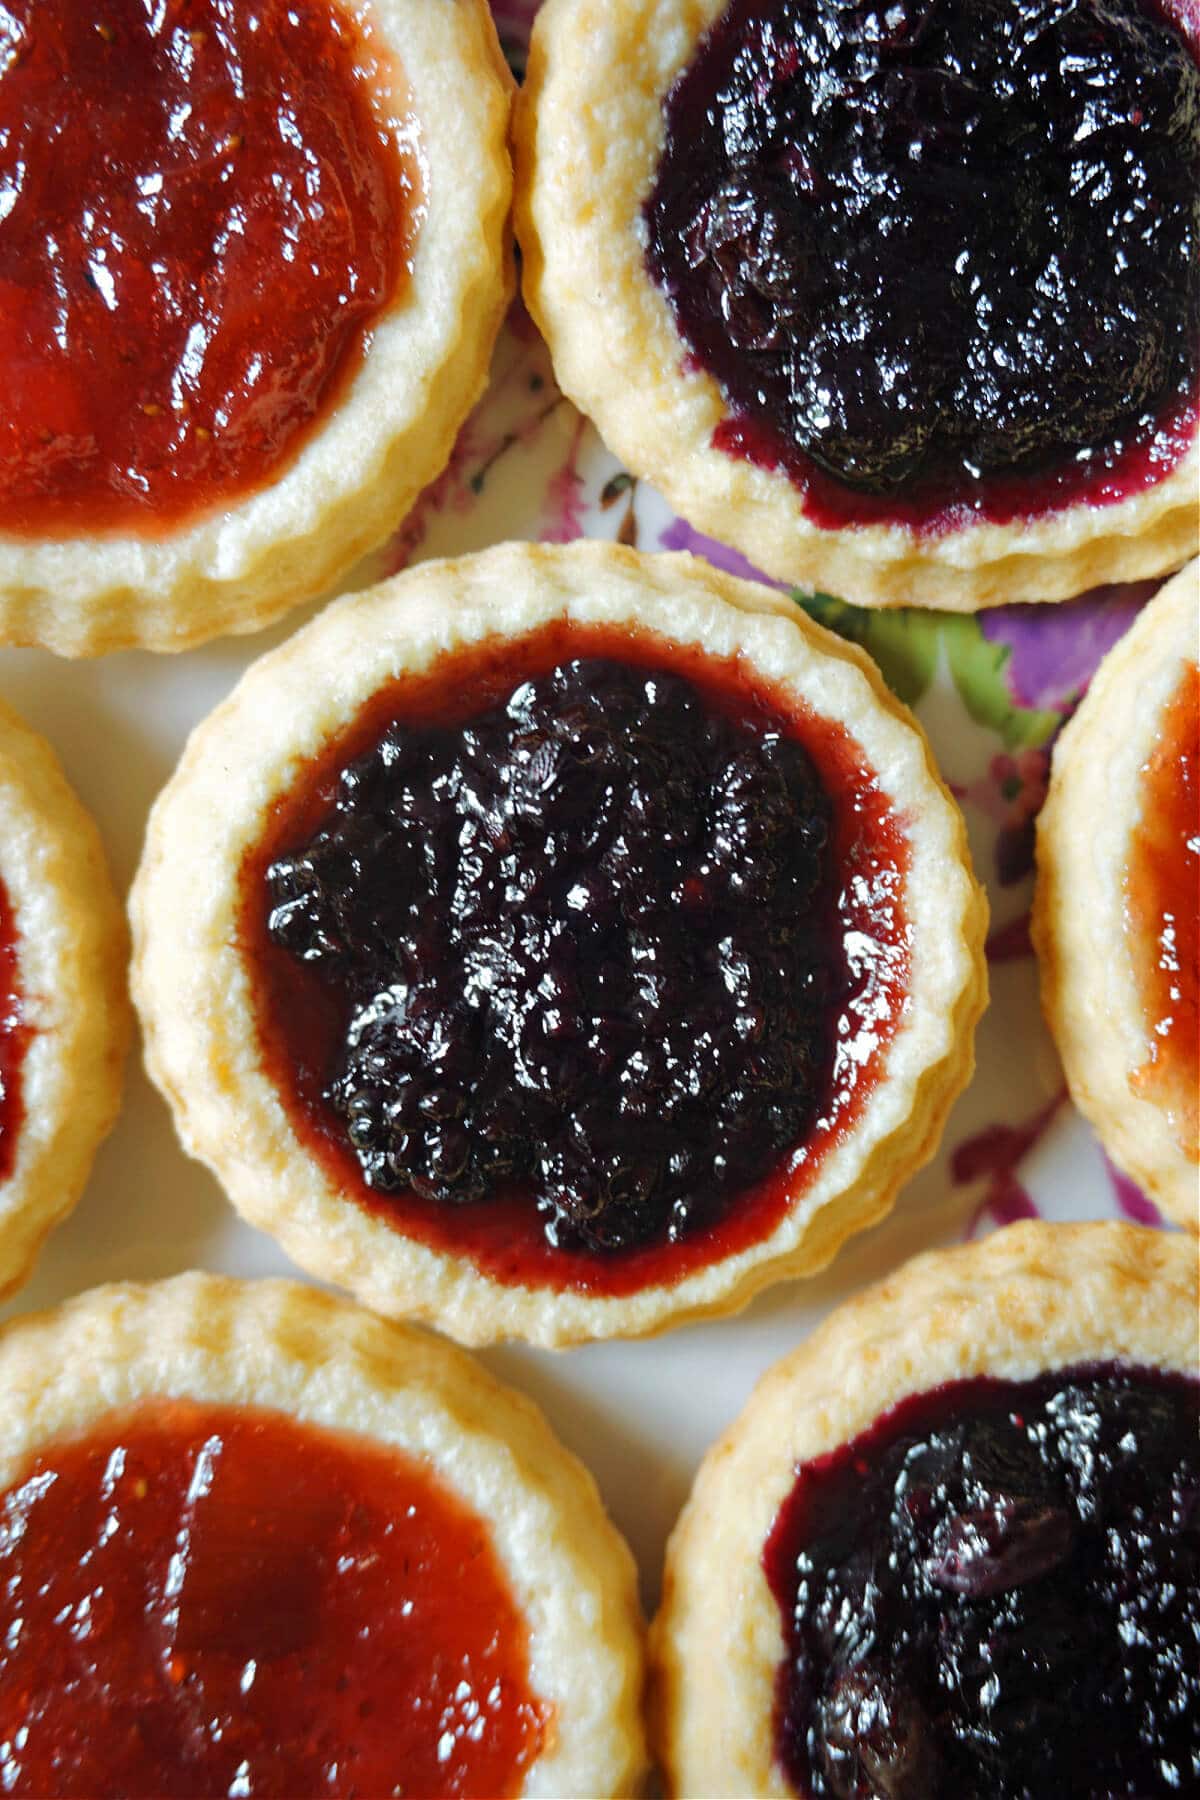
pixel 194 990
pixel 235 568
pixel 72 950
pixel 285 1347
pixel 1029 1299
pixel 588 135
pixel 1089 979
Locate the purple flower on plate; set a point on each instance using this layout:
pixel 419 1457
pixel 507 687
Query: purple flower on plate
pixel 679 535
pixel 1055 649
pixel 1130 1198
pixel 1011 794
pixel 514 18
pixel 993 1156
pixel 564 502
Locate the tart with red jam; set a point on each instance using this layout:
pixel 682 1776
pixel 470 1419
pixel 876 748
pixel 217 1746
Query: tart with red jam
pixel 253 258
pixel 559 942
pixel 255 1541
pixel 949 1551
pixel 902 300
pixel 1117 908
pixel 64 1012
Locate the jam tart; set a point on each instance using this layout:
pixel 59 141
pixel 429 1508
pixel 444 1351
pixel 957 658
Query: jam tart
pixel 244 316
pixel 64 1012
pixel 954 1526
pixel 1116 908
pixel 258 1541
pixel 860 299
pixel 559 943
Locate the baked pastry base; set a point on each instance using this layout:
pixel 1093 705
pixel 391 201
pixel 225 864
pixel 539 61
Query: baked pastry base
pixel 282 1346
pixel 1033 1298
pixel 1088 977
pixel 71 954
pixel 195 992
pixel 236 568
pixel 588 134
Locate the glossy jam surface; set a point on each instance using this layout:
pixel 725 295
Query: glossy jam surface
pixel 940 255
pixel 574 960
pixel 994 1593
pixel 1163 912
pixel 13 1037
pixel 200 218
pixel 203 1600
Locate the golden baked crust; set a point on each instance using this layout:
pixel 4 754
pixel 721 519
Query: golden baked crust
pixel 1088 975
pixel 1035 1297
pixel 588 133
pixel 280 1345
pixel 193 986
pixel 71 954
pixel 237 568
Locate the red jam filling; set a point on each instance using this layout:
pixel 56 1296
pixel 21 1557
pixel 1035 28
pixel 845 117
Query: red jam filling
pixel 13 1035
pixel 994 1593
pixel 1163 913
pixel 218 1600
pixel 201 217
pixel 608 963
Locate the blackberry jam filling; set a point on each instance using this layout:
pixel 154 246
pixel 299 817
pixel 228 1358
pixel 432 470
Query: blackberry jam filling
pixel 1163 912
pixel 162 170
pixel 13 1034
pixel 995 1592
pixel 579 958
pixel 938 255
pixel 217 1600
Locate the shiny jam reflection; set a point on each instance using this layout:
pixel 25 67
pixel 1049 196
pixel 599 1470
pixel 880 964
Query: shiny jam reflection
pixel 201 217
pixel 206 1600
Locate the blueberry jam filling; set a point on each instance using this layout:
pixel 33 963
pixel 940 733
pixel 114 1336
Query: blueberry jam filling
pixel 927 243
pixel 994 1593
pixel 587 943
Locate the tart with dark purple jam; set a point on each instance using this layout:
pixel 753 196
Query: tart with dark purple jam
pixel 568 966
pixel 64 1014
pixel 253 257
pixel 253 1541
pixel 1117 908
pixel 901 300
pixel 951 1548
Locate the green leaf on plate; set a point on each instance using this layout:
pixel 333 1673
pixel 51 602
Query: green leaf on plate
pixel 906 644
pixel 977 668
pixel 903 641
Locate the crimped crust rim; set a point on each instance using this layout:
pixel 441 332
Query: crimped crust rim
pixel 236 568
pixel 292 1349
pixel 192 1055
pixel 587 132
pixel 1088 981
pixel 1030 1298
pixel 72 952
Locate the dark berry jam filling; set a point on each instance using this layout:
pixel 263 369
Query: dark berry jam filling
pixel 1162 888
pixel 994 1594
pixel 204 1600
pixel 200 219
pixel 940 255
pixel 572 945
pixel 13 1038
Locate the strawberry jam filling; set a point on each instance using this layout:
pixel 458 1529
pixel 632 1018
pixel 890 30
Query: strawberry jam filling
pixel 576 955
pixel 994 1593
pixel 941 256
pixel 13 1036
pixel 1163 913
pixel 206 1600
pixel 202 212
